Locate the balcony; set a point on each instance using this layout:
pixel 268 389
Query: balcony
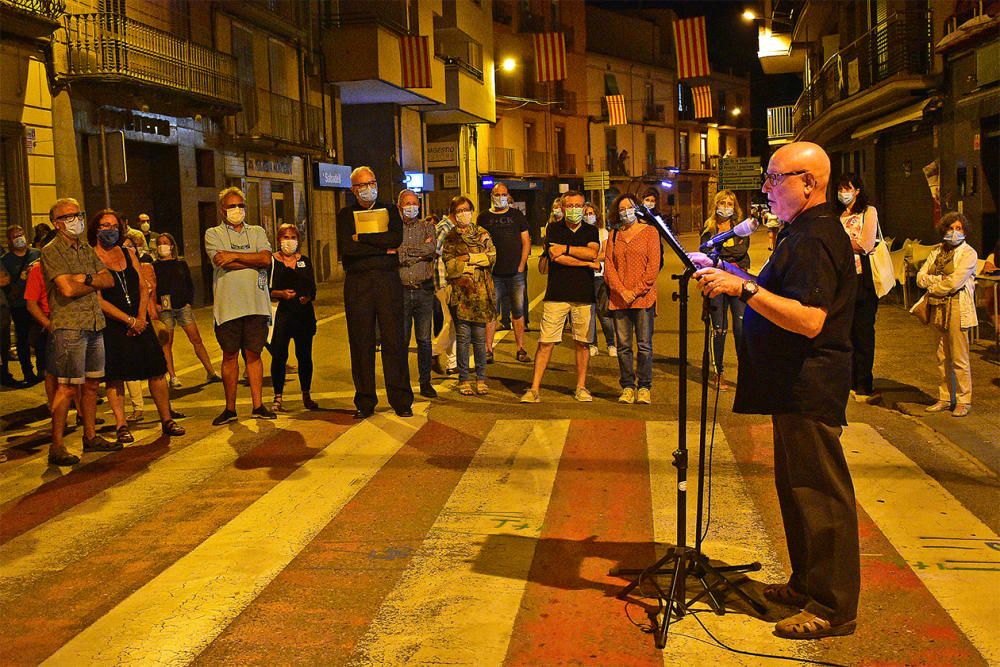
pixel 877 73
pixel 780 124
pixel 531 23
pixel 269 116
pixel 500 160
pixel 502 14
pixel 566 104
pixel 567 164
pixel 119 61
pixel 654 113
pixel 30 19
pixel 536 162
pixel 467 98
pixel 694 162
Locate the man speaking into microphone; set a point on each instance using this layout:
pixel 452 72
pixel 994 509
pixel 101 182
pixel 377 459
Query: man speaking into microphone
pixel 795 365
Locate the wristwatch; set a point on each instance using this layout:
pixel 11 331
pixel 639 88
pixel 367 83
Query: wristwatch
pixel 88 280
pixel 749 289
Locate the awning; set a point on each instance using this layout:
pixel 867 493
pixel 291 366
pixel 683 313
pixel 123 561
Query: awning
pixel 909 114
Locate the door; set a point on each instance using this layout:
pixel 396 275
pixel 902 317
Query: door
pixel 277 213
pixel 207 218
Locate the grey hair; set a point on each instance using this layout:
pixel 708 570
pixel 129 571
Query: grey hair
pixel 62 201
pixel 403 193
pixel 358 170
pixel 231 190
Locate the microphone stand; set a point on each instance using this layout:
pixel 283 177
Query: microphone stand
pixel 682 561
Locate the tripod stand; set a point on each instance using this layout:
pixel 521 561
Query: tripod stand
pixel 686 560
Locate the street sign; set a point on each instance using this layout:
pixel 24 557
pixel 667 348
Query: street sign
pixel 596 180
pixel 739 173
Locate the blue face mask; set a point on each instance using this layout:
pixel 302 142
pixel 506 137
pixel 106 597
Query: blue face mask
pixel 108 237
pixel 628 216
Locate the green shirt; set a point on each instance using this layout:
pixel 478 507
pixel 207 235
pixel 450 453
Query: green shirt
pixel 60 257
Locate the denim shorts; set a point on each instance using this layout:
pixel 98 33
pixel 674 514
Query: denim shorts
pixel 75 355
pixel 510 287
pixel 178 316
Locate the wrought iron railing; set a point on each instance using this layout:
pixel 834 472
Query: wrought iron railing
pixel 500 160
pixel 779 122
pixel 566 104
pixel 567 163
pixel 389 14
pixel 653 112
pixel 459 64
pixel 109 44
pixel 50 9
pixel 268 114
pixel 899 45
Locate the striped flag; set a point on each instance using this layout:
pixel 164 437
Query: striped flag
pixel 702 101
pixel 616 110
pixel 550 56
pixel 415 58
pixel 691 47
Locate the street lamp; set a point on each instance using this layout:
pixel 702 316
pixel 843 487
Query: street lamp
pixel 736 111
pixel 508 65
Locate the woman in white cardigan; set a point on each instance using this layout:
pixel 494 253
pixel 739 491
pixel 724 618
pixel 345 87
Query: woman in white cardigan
pixel 948 275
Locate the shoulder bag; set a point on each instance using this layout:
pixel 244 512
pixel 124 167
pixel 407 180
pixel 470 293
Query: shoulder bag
pixel 882 274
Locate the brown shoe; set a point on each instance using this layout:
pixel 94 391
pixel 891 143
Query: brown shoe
pixel 99 444
pixel 806 625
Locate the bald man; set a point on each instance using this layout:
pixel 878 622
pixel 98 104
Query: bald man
pixel 795 365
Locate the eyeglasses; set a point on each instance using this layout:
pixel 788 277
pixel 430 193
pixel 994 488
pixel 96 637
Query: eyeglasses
pixel 362 186
pixel 70 217
pixel 774 179
pixel 234 206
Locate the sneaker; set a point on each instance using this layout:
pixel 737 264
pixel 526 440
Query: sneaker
pixel 940 406
pixel 224 418
pixel 644 397
pixel 212 377
pixel 452 371
pixel 961 410
pixel 583 395
pixel 627 395
pixel 427 391
pixel 612 351
pixel 594 351
pixel 530 396
pixel 176 383
pixel 263 413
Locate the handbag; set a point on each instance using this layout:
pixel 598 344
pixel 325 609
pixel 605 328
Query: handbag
pixel 921 310
pixel 543 262
pixel 882 274
pixel 603 300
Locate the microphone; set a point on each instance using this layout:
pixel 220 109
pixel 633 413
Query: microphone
pixel 745 228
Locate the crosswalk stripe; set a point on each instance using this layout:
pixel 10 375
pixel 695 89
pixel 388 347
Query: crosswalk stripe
pixel 736 536
pixel 947 546
pixel 173 617
pixel 458 600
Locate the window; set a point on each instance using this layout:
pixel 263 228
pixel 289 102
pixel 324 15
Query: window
pixel 529 136
pixel 611 149
pixel 276 61
pixel 651 153
pixel 684 152
pixel 204 167
pixel 243 52
pixel 704 150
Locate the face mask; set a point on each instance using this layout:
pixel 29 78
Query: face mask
pixel 724 211
pixel 411 212
pixel 557 214
pixel 76 226
pixel 165 251
pixel 845 197
pixel 108 237
pixel 590 219
pixel 463 218
pixel 144 227
pixel 954 237
pixel 289 246
pixel 649 207
pixel 574 215
pixel 627 216
pixel 20 242
pixel 236 216
pixel 500 201
pixel 368 195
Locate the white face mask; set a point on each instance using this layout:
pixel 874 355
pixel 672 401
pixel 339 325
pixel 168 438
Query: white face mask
pixel 368 194
pixel 846 197
pixel 557 214
pixel 20 242
pixel 165 251
pixel 289 246
pixel 76 226
pixel 649 206
pixel 463 218
pixel 410 212
pixel 500 202
pixel 574 214
pixel 627 215
pixel 724 211
pixel 236 215
pixel 144 227
pixel 590 219
pixel 954 237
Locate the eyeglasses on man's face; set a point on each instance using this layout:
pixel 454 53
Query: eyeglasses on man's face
pixel 364 186
pixel 240 205
pixel 775 178
pixel 70 217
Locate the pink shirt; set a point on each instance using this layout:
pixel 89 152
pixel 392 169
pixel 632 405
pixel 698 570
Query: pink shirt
pixel 632 264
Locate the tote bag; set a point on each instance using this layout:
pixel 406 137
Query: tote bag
pixel 882 273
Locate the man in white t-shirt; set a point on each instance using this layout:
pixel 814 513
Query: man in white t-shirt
pixel 241 255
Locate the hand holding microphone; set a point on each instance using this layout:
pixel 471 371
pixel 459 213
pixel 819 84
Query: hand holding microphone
pixel 745 228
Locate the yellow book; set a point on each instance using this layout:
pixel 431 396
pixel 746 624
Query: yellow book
pixel 374 221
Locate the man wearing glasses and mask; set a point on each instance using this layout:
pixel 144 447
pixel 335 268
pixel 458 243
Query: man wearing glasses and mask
pixel 241 254
pixel 368 234
pixel 795 365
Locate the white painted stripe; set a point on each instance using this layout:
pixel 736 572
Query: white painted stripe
pixel 170 620
pixel 736 536
pixel 947 546
pixel 446 610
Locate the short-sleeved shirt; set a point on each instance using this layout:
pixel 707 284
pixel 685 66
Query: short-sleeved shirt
pixel 17 268
pixel 60 257
pixel 781 372
pixel 35 289
pixel 239 292
pixel 505 230
pixel 570 284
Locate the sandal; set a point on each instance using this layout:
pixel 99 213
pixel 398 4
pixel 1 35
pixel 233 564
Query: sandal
pixel 786 595
pixel 136 416
pixel 481 388
pixel 276 404
pixel 64 459
pixel 465 389
pixel 124 435
pixel 522 356
pixel 170 427
pixel 806 625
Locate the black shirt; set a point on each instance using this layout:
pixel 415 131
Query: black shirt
pixel 572 284
pixel 368 253
pixel 783 372
pixel 505 230
pixel 173 277
pixel 302 280
pixel 735 251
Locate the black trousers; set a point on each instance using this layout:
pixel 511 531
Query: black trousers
pixel 863 332
pixel 22 329
pixel 288 328
pixel 816 496
pixel 375 299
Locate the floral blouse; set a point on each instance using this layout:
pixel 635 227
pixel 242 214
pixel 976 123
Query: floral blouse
pixel 468 258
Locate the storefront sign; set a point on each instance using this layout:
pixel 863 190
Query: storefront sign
pixel 262 166
pixel 234 166
pixel 29 139
pixel 442 154
pixel 449 180
pixel 329 175
pixel 134 122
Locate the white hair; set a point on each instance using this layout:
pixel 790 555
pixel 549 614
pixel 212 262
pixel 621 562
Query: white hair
pixel 63 201
pixel 358 170
pixel 403 193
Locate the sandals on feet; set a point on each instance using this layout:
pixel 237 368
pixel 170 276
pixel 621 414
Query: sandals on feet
pixel 481 388
pixel 124 435
pixel 465 389
pixel 170 427
pixel 806 625
pixel 786 595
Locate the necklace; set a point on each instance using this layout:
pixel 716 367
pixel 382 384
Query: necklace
pixel 124 286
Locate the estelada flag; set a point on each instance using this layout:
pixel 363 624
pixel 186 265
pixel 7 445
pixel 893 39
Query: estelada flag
pixel 702 101
pixel 415 58
pixel 691 47
pixel 550 56
pixel 616 110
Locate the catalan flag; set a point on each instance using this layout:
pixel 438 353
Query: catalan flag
pixel 692 48
pixel 616 110
pixel 702 101
pixel 550 56
pixel 415 58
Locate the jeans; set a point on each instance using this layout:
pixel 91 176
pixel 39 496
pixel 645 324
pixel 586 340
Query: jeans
pixel 607 323
pixel 511 288
pixel 22 329
pixel 639 320
pixel 718 310
pixel 418 313
pixel 466 332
